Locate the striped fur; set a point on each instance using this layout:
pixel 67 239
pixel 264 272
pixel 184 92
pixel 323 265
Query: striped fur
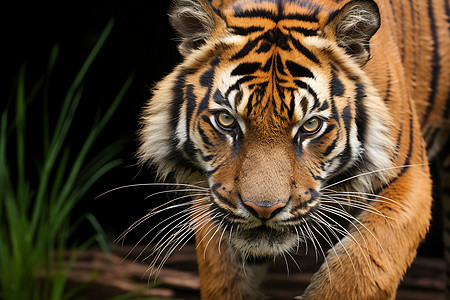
pixel 373 77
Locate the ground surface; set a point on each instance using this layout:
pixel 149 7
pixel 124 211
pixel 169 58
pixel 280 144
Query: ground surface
pixel 117 275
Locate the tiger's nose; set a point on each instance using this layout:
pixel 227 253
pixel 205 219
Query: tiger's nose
pixel 264 209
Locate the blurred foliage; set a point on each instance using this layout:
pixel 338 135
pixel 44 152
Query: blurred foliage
pixel 35 209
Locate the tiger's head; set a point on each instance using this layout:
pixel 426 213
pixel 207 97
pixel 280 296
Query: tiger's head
pixel 272 109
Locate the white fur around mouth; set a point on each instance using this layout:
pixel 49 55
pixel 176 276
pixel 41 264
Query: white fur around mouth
pixel 263 241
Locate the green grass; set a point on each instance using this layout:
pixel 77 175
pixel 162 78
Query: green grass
pixel 35 214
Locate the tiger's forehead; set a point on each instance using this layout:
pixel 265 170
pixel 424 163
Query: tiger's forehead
pixel 272 70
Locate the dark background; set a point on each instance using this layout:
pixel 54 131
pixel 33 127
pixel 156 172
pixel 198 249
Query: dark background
pixel 142 43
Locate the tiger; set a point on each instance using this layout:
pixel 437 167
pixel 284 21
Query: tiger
pixel 302 121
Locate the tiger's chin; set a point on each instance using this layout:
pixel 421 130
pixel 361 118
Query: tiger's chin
pixel 262 244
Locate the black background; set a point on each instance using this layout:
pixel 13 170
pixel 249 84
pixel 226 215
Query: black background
pixel 142 43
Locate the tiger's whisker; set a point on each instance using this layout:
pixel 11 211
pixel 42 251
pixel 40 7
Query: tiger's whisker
pixel 293 259
pixel 333 231
pixel 150 184
pixel 207 244
pixel 347 217
pixel 154 212
pixel 355 204
pixel 204 193
pixel 160 246
pixel 221 236
pixel 327 238
pixel 377 198
pixel 314 240
pixel 372 172
pixel 286 263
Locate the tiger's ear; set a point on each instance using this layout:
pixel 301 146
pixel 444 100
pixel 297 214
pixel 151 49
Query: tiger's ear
pixel 353 26
pixel 195 21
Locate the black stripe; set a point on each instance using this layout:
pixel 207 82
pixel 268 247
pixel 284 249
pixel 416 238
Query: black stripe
pixel 237 140
pixel 207 158
pixel 190 106
pixel 297 70
pixel 279 64
pixel 388 86
pixel 207 78
pixel 346 116
pixel 178 99
pixel 249 46
pixel 174 109
pixel 190 152
pixel 341 175
pixel 318 141
pixel 331 147
pixel 280 39
pixel 334 111
pixel 336 86
pixel 324 106
pixel 304 105
pixel 305 86
pixel 250 103
pixel 304 31
pixel 224 200
pixel 304 50
pixel 436 68
pixel 238 98
pixel 298 143
pixel 204 104
pixel 447 10
pixel 280 10
pixel 215 62
pixel 246 30
pixel 268 64
pixel 238 84
pixel 403 37
pixel 361 117
pixel 255 13
pixel 275 16
pixel 331 127
pixel 291 107
pixel 246 69
pixel 220 99
pixel 392 6
pixel 345 156
pixel 311 17
pixel 204 137
pixel 264 48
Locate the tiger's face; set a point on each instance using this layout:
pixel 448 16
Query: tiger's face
pixel 273 110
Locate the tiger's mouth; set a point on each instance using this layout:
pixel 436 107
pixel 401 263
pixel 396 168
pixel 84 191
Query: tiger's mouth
pixel 263 243
pixel 261 239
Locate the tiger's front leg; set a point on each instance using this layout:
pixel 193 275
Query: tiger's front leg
pixel 370 262
pixel 223 274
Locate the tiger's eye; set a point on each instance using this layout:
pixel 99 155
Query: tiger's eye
pixel 312 125
pixel 225 120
